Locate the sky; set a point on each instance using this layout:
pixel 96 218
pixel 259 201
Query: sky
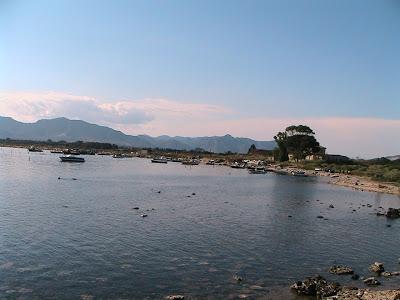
pixel 202 68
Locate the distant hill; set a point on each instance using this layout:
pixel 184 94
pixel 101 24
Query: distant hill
pixel 63 129
pixel 393 157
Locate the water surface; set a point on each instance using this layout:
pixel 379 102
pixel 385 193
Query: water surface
pixel 65 238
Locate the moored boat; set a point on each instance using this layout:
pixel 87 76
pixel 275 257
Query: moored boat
pixel 71 158
pixel 257 171
pixel 299 173
pixel 160 160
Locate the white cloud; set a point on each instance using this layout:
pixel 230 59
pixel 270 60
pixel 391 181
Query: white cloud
pixel 366 137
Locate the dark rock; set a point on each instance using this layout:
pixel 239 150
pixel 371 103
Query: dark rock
pixel 59 178
pixel 341 270
pixel 377 267
pixel 159 192
pixel 193 194
pixel 371 281
pixel 355 277
pixel 393 213
pixel 388 225
pixel 331 206
pixel 320 217
pixel 316 286
pixel 136 208
pixel 289 216
pixel 175 297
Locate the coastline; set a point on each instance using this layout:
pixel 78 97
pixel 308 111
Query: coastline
pixel 361 183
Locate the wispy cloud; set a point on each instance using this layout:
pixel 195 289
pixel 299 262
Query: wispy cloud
pixel 30 106
pixel 366 137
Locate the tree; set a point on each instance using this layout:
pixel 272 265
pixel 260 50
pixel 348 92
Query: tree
pixel 252 149
pixel 280 140
pixel 298 140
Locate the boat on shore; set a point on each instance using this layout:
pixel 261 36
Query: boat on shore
pixel 160 160
pixel 236 165
pixel 71 158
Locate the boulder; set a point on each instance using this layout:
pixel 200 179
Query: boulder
pixel 341 270
pixel 377 267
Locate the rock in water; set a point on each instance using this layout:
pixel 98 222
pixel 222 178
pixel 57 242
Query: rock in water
pixel 341 270
pixel 316 286
pixel 175 297
pixel 393 213
pixel 371 281
pixel 377 267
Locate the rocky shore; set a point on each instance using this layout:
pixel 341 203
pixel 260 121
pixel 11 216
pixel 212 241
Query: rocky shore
pixel 320 288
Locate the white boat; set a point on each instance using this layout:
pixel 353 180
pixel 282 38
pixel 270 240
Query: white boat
pixel 159 160
pixel 71 158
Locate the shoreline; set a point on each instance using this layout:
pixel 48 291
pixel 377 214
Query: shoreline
pixel 362 184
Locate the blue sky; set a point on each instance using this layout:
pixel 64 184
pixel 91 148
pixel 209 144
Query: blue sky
pixel 245 60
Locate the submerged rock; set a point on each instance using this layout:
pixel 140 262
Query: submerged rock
pixel 316 286
pixel 377 267
pixel 341 270
pixel 371 281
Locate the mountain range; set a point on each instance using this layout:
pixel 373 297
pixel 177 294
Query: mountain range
pixel 63 129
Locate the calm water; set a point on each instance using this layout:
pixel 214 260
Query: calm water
pixel 62 239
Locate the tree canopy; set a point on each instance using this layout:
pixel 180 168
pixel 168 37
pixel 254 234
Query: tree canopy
pixel 298 140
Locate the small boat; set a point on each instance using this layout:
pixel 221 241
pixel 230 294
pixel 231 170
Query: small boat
pixel 299 173
pixel 211 162
pixel 34 149
pixel 118 155
pixel 56 151
pixel 192 162
pixel 257 171
pixel 71 158
pixel 71 151
pixel 159 160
